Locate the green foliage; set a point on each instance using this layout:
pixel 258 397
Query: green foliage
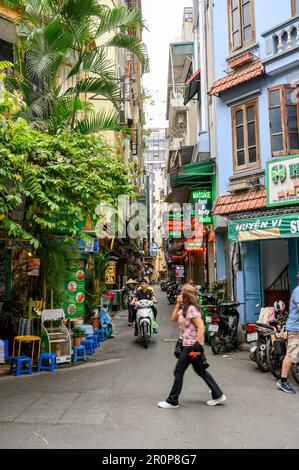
pixel 13 3
pixel 219 288
pixel 53 254
pixel 8 102
pixel 96 286
pixel 49 183
pixel 132 271
pixel 66 55
pixel 77 332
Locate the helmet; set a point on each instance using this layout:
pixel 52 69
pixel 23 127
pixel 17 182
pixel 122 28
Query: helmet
pixel 279 306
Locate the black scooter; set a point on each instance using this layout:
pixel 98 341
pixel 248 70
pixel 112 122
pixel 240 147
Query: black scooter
pixel 223 329
pixel 172 292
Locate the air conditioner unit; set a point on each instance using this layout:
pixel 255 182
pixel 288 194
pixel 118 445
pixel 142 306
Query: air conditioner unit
pixel 239 185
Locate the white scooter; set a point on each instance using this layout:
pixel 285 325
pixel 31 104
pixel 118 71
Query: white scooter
pixel 145 321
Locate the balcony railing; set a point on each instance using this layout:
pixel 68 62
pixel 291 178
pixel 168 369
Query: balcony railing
pixel 177 96
pixel 283 38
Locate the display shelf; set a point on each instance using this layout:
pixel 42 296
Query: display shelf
pixel 56 339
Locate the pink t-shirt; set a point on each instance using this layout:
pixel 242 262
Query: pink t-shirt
pixel 187 327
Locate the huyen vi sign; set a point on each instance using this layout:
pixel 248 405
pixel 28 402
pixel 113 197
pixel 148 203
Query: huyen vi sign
pixel 283 181
pixel 262 228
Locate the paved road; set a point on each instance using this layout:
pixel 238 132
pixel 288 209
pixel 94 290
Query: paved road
pixel 112 403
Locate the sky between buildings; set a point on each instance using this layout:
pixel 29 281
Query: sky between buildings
pixel 164 19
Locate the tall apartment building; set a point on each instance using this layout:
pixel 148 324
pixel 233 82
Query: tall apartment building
pixel 190 164
pixel 156 183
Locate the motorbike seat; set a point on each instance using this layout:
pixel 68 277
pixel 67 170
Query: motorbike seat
pixel 265 325
pixel 225 317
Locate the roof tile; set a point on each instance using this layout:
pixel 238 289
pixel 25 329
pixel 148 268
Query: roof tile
pixel 254 70
pixel 240 202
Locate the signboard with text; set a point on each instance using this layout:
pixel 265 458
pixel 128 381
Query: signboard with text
pixel 203 200
pixel 282 181
pixel 75 287
pixel 263 228
pixel 110 274
pixel 179 272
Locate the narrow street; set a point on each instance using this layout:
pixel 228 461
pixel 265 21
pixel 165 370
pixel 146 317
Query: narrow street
pixel 110 402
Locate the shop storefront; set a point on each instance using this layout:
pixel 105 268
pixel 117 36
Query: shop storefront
pixel 263 233
pixel 268 252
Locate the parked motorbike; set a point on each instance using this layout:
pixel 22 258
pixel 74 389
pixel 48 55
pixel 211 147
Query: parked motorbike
pixel 172 292
pixel 259 337
pixel 207 304
pixel 163 285
pixel 145 321
pixel 276 351
pixel 224 326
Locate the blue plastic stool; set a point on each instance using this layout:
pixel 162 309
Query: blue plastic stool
pixel 21 362
pixel 95 339
pixel 89 346
pixel 5 349
pixel 51 365
pixel 101 333
pixel 79 352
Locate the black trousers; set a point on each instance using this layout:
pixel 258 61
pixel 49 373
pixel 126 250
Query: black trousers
pixel 181 367
pixel 131 313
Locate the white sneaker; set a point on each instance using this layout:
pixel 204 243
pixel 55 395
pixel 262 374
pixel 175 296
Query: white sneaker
pixel 166 405
pixel 222 399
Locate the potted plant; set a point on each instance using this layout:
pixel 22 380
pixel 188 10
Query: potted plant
pixel 78 336
pixel 95 285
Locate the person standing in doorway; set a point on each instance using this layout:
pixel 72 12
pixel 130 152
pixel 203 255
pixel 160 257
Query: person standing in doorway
pixel 188 315
pixel 292 355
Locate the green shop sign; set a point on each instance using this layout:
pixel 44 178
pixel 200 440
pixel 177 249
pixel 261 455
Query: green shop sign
pixel 203 200
pixel 75 287
pixel 263 228
pixel 282 178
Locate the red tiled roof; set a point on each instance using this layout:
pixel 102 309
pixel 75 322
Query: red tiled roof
pixel 237 77
pixel 241 202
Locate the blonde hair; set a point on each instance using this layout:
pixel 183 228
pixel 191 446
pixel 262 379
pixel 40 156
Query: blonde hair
pixel 190 297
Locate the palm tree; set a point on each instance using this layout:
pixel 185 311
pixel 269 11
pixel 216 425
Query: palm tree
pixel 63 54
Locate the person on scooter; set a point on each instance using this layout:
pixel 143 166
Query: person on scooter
pixel 144 293
pixel 148 285
pixel 130 291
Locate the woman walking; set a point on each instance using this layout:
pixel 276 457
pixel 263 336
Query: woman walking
pixel 188 315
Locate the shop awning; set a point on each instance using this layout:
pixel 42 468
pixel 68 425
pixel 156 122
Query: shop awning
pixel 242 201
pixel 192 87
pixel 192 173
pixel 264 228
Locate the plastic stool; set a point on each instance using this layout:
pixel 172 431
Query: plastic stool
pixel 6 354
pixel 95 339
pixel 89 346
pixel 51 357
pixel 21 362
pixel 101 333
pixel 79 352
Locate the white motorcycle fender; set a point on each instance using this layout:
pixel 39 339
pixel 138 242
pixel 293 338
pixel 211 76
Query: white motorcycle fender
pixel 253 347
pixel 145 320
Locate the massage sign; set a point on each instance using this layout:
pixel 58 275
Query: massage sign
pixel 283 182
